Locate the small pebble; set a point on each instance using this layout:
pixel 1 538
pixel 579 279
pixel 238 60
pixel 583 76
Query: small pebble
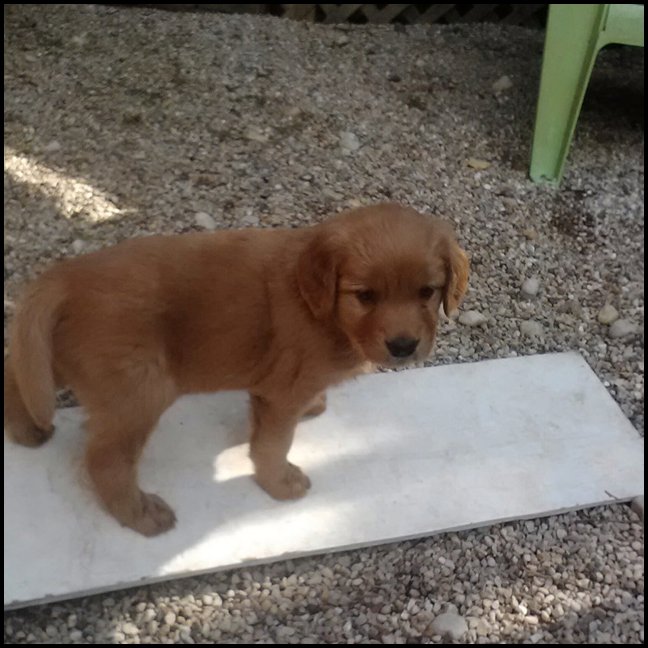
pixel 53 147
pixel 608 314
pixel 502 84
pixel 78 246
pixel 255 134
pixel 531 328
pixel 130 629
pixel 530 287
pixel 622 328
pixel 450 625
pixel 472 318
pixel 349 142
pixel 204 220
pixel 250 220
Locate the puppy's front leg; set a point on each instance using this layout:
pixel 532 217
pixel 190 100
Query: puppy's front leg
pixel 317 406
pixel 273 428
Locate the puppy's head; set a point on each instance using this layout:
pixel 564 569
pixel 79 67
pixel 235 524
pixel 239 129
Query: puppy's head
pixel 381 274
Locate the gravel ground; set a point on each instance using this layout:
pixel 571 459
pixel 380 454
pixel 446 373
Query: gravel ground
pixel 122 122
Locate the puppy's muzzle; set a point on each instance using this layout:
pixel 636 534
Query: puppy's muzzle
pixel 401 347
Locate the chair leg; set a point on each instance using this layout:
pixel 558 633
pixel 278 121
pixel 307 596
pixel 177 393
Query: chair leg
pixel 571 46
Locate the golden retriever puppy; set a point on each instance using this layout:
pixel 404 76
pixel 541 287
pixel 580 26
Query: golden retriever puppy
pixel 283 314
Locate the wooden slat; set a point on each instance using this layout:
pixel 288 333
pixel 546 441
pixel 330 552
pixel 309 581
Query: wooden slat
pixel 520 14
pixel 339 13
pixel 431 15
pixel 220 8
pixel 452 15
pixel 478 12
pixel 300 11
pixel 384 15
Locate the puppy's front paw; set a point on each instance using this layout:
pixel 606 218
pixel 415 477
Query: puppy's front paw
pixel 156 516
pixel 292 484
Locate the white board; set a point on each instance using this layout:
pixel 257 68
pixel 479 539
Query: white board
pixel 395 456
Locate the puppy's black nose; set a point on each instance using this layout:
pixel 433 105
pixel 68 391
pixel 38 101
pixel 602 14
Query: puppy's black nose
pixel 402 347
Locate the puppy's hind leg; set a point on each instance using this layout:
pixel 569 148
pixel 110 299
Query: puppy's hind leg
pixel 118 432
pixel 19 425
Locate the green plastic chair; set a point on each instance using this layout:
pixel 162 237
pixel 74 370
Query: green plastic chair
pixel 575 34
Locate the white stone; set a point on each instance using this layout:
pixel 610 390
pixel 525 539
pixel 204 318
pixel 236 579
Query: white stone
pixel 204 220
pixel 255 134
pixel 450 625
pixel 622 328
pixel 78 246
pixel 502 84
pixel 531 328
pixel 531 286
pixel 53 147
pixel 250 220
pixel 608 314
pixel 349 142
pixel 472 318
pixel 130 629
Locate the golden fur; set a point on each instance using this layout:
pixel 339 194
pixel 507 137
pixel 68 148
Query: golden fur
pixel 283 314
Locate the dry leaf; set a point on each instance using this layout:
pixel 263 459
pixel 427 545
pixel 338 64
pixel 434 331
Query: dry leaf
pixel 478 164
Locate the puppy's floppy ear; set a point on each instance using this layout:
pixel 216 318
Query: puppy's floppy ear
pixel 317 272
pixel 458 267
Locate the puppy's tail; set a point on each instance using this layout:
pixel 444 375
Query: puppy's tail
pixel 29 388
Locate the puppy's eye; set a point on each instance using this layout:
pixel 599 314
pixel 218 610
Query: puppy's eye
pixel 366 297
pixel 426 292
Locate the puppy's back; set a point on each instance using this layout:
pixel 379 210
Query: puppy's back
pixel 198 304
